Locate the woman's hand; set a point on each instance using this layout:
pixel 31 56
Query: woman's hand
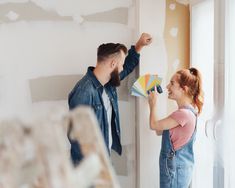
pixel 152 98
pixel 153 122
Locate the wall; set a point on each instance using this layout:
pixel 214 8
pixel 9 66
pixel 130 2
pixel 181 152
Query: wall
pixel 177 38
pixel 168 21
pixel 153 60
pixel 45 48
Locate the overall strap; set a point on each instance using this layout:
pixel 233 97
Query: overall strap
pixel 193 111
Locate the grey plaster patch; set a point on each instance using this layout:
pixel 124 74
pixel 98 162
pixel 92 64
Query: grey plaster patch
pixel 53 87
pixel 117 15
pixel 123 90
pixel 120 162
pixel 29 11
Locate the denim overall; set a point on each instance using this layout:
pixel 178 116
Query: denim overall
pixel 176 167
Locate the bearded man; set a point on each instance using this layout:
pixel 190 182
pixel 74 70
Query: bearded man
pixel 97 89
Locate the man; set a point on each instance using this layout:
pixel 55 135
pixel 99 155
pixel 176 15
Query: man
pixel 98 90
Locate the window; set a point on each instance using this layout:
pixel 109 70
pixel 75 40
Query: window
pixel 202 57
pixel 229 114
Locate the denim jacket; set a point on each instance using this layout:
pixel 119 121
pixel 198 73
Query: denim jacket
pixel 88 91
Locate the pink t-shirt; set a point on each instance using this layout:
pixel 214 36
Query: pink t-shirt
pixel 181 134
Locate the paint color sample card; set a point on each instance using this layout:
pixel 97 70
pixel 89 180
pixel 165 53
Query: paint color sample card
pixel 145 83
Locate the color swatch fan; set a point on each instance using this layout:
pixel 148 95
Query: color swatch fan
pixel 146 83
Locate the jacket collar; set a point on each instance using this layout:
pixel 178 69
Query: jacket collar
pixel 93 78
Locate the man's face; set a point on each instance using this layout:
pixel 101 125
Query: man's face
pixel 115 79
pixel 120 61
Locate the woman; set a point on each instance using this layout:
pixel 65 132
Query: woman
pixel 179 128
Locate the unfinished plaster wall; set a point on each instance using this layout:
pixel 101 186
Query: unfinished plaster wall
pixel 177 38
pixel 46 46
pixel 168 21
pixel 151 19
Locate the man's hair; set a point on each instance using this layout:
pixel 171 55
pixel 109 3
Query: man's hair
pixel 106 50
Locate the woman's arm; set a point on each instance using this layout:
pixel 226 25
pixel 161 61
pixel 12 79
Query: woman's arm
pixel 155 124
pixel 153 120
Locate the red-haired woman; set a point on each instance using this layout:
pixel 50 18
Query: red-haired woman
pixel 179 128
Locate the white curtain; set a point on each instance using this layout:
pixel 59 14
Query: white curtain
pixel 229 115
pixel 213 30
pixel 202 57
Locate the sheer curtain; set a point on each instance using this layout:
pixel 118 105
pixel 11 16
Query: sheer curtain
pixel 213 48
pixel 202 57
pixel 229 115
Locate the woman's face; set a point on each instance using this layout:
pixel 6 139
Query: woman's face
pixel 175 92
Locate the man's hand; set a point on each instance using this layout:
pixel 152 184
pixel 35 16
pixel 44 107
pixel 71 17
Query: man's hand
pixel 144 40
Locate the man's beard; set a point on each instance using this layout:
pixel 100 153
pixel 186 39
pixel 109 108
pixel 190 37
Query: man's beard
pixel 115 79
